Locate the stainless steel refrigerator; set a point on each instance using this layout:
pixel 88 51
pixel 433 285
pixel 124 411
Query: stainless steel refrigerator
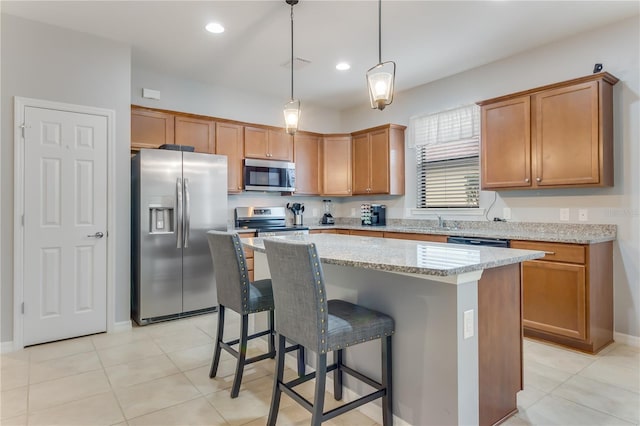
pixel 176 198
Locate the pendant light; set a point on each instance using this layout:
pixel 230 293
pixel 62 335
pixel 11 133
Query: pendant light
pixel 380 78
pixel 292 108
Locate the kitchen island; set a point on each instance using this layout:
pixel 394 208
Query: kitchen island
pixel 458 341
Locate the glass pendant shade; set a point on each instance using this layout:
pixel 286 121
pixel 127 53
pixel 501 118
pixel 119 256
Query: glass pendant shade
pixel 380 81
pixel 291 116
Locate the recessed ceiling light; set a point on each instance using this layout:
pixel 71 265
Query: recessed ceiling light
pixel 214 27
pixel 343 66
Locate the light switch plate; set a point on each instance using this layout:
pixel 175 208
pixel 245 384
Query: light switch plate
pixel 564 214
pixel 150 94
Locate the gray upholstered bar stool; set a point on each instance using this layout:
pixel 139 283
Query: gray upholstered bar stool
pixel 304 315
pixel 238 293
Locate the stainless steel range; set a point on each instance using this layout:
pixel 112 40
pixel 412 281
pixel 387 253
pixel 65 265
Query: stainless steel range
pixel 268 221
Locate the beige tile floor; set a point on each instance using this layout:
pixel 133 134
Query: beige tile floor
pixel 158 375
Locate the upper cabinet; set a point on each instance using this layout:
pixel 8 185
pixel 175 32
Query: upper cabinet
pixel 267 144
pixel 336 165
pixel 230 142
pixel 195 132
pixel 378 160
pixel 554 136
pixel 150 129
pixel 307 159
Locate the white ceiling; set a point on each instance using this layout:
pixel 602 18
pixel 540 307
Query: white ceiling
pixel 428 40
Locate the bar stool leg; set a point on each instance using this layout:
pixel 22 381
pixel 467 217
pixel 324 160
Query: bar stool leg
pixel 277 379
pixel 321 378
pixel 219 336
pixel 387 379
pixel 272 349
pixel 242 356
pixel 301 362
pixel 337 375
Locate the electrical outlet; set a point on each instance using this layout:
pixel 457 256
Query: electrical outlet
pixel 564 215
pixel 314 212
pixel 353 212
pixel 468 324
pixel 506 213
pixel 583 215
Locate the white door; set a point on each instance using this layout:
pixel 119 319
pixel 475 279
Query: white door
pixel 65 224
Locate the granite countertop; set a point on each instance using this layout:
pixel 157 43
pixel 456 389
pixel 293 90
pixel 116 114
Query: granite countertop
pixel 547 232
pixel 405 256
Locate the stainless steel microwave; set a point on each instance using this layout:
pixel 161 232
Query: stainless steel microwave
pixel 269 175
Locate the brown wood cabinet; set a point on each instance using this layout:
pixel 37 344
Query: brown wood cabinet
pixel 336 165
pixel 267 144
pixel 568 294
pixel 230 142
pixel 248 254
pixel 307 159
pixel 366 233
pixel 196 132
pixel 417 237
pixel 560 135
pixel 150 129
pixel 323 231
pixel 378 160
pixel 342 231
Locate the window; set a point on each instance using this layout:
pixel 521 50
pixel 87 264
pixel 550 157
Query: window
pixel 447 158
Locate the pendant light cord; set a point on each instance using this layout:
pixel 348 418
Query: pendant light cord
pixel 291 51
pixel 379 31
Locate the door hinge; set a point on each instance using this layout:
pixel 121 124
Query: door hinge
pixel 22 220
pixel 23 308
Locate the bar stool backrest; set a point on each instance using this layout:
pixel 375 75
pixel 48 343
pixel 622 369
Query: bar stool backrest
pixel 230 270
pixel 298 293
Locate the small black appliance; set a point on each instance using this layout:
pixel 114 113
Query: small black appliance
pixel 378 215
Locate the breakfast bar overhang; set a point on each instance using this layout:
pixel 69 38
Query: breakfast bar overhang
pixel 458 341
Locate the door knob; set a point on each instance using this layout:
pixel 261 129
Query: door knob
pixel 96 235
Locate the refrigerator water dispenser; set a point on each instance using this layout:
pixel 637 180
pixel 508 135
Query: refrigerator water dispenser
pixel 160 220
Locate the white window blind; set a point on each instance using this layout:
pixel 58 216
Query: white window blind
pixel 447 158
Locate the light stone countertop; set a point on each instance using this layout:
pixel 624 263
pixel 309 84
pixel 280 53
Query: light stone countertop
pixel 547 232
pixel 405 256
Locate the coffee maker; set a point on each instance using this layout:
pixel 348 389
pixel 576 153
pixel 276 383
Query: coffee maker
pixel 378 215
pixel 327 217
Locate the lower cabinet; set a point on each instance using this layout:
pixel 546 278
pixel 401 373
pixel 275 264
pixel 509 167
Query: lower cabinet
pixel 323 231
pixel 568 294
pixel 416 237
pixel 362 233
pixel 248 254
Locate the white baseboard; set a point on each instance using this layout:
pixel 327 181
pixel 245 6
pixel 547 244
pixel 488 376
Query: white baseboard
pixel 627 339
pixel 6 347
pixel 371 410
pixel 120 326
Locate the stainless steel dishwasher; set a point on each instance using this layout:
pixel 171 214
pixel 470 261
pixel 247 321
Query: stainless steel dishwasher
pixel 473 241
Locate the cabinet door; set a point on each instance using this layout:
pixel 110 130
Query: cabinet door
pixel 566 136
pixel 150 129
pixel 336 165
pixel 255 143
pixel 506 144
pixel 280 145
pixel 554 298
pixel 230 142
pixel 195 132
pixel 361 164
pixel 417 237
pixel 379 163
pixel 307 159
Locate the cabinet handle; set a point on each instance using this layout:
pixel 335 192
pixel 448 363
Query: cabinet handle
pixel 526 180
pixel 549 253
pixel 239 187
pixel 538 179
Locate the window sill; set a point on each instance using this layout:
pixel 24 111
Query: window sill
pixel 448 212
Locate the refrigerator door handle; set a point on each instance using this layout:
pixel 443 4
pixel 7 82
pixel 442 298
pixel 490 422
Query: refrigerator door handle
pixel 179 215
pixel 187 213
